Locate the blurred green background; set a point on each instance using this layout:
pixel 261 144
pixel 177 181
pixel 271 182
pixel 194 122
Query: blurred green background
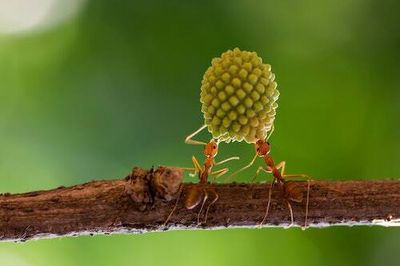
pixel 116 84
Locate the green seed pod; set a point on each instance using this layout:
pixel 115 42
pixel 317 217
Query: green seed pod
pixel 238 96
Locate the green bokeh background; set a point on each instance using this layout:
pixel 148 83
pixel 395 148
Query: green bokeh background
pixel 118 86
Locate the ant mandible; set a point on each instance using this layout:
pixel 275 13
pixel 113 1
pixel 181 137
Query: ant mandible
pixel 291 191
pixel 197 194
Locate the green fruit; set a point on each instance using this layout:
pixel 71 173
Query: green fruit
pixel 238 96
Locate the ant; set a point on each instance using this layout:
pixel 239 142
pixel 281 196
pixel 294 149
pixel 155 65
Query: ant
pixel 291 191
pixel 199 193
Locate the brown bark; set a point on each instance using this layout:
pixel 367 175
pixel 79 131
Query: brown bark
pixel 142 202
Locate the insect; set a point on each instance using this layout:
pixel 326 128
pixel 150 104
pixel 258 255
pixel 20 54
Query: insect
pixel 291 191
pixel 200 193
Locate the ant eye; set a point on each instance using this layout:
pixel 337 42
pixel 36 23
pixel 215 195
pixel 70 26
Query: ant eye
pixel 268 143
pixel 214 147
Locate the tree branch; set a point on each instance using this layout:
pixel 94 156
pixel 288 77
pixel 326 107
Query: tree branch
pixel 142 202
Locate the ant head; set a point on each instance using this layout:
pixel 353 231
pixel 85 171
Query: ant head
pixel 211 149
pixel 262 148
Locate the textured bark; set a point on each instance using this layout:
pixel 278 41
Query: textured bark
pixel 142 202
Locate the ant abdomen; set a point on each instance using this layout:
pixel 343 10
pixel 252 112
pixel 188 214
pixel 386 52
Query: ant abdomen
pixel 293 192
pixel 193 197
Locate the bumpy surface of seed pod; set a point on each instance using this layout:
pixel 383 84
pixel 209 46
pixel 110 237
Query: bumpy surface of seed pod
pixel 238 96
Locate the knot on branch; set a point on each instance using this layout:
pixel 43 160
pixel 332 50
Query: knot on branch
pixel 145 186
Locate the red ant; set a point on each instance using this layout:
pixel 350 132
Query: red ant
pixel 291 191
pixel 199 193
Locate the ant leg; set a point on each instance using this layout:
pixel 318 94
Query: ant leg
pixel 189 139
pixel 243 168
pixel 297 175
pixel 192 171
pixel 260 168
pixel 197 166
pixel 282 166
pixel 291 214
pixel 268 204
pixel 223 171
pixel 227 160
pixel 219 173
pixel 308 194
pixel 307 202
pixel 202 205
pixel 176 204
pixel 196 169
pixel 209 205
